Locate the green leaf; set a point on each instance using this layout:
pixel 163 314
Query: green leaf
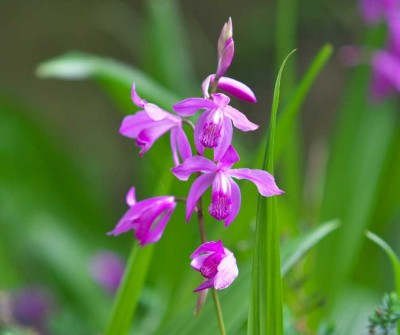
pixel 266 306
pixel 392 257
pixel 295 249
pixel 115 76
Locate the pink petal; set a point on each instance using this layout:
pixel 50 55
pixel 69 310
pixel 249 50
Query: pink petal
pixel 225 140
pixel 190 106
pixel 192 165
pixel 131 197
pixel 149 135
pixel 227 272
pixel 136 99
pixel 264 181
pixel 185 151
pixel 174 146
pixel 226 33
pixel 236 202
pixel 226 58
pixel 132 125
pixel 237 89
pixel 239 120
pixel 199 186
pixel 197 262
pixel 197 132
pixel 156 113
pixel 220 99
pixel 205 285
pixel 230 157
pixel 206 85
pixel 208 247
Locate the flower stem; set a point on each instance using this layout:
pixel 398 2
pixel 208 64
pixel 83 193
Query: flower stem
pixel 221 324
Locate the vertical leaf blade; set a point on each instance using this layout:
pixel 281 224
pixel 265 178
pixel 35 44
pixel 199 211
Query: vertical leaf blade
pixel 266 303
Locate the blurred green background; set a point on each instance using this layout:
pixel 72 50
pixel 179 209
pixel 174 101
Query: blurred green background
pixel 64 168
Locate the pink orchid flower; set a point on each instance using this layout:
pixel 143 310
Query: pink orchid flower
pixel 148 125
pixel 386 74
pixel 147 218
pixel 216 263
pixel 226 197
pixel 374 10
pixel 214 127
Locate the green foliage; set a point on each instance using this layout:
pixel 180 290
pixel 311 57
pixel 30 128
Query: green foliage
pixel 386 317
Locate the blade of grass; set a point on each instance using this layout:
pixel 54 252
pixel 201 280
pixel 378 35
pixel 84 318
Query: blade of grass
pixel 266 306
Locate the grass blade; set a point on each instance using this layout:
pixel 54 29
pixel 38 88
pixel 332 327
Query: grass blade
pixel 392 257
pixel 266 306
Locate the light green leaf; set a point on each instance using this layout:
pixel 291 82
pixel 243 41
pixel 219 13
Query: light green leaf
pixel 392 257
pixel 266 306
pixel 110 73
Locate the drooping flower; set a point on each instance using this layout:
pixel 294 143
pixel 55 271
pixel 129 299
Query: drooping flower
pixel 226 197
pixel 151 123
pixel 385 74
pixel 216 263
pixel 107 268
pixel 147 218
pixel 214 127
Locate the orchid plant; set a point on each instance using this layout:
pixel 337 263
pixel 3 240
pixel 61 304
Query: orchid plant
pixel 213 130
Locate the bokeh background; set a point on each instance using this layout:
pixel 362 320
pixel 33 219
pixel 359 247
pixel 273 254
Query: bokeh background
pixel 65 169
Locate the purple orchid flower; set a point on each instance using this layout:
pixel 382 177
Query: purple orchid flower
pixel 147 218
pixel 107 268
pixel 226 197
pixel 148 125
pixel 214 127
pixel 386 74
pixel 216 263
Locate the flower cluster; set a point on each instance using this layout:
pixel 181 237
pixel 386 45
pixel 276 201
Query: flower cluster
pixel 385 62
pixel 212 131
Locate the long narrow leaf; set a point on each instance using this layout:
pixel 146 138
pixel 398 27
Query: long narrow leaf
pixel 266 306
pixel 392 257
pixel 81 66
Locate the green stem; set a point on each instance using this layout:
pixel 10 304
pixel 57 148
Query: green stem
pixel 221 324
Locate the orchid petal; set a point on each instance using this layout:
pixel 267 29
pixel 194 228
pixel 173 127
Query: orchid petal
pixel 149 135
pixel 226 33
pixel 197 262
pixel 226 58
pixel 199 186
pixel 185 151
pixel 156 113
pixel 227 272
pixel 208 247
pixel 132 125
pixel 236 202
pixel 225 139
pixel 206 85
pixel 264 181
pixel 229 158
pixel 190 106
pixel 220 99
pixel 138 101
pixel 198 130
pixel 131 197
pixel 174 146
pixel 239 120
pixel 205 285
pixel 237 89
pixel 192 165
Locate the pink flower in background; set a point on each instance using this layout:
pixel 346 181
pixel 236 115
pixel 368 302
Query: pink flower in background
pixel 150 124
pixel 214 127
pixel 385 74
pixel 147 218
pixel 107 268
pixel 216 263
pixel 226 197
pixel 375 10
